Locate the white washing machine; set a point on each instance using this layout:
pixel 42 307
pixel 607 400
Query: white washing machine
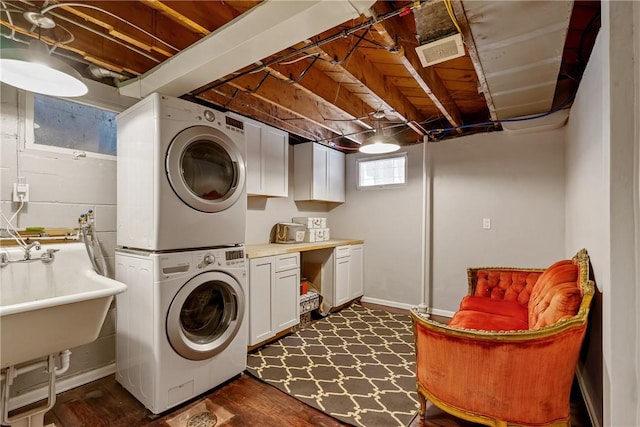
pixel 182 324
pixel 181 176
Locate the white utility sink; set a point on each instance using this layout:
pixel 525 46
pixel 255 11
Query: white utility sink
pixel 48 307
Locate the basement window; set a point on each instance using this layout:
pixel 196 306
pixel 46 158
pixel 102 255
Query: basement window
pixel 382 172
pixel 63 126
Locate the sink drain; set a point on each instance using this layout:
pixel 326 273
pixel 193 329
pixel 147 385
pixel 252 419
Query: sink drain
pixel 203 419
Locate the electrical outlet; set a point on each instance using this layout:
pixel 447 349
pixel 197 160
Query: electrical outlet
pixel 486 223
pixel 20 192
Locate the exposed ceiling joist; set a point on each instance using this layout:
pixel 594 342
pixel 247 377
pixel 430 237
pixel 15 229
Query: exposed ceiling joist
pixel 300 102
pixel 426 78
pixel 264 30
pixel 318 88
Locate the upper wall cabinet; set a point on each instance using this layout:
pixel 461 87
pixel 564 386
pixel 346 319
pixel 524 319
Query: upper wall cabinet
pixel 267 159
pixel 318 173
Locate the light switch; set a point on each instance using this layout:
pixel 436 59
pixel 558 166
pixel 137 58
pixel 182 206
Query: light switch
pixel 486 223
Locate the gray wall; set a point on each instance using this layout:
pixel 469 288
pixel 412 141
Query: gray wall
pixel 516 180
pixel 603 192
pixel 390 222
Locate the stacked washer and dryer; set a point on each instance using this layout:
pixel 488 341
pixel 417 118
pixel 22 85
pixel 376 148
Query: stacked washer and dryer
pixel 182 324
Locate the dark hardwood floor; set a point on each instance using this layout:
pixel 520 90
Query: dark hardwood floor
pixel 242 401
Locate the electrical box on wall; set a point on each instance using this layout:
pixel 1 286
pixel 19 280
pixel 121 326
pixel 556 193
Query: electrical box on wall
pixel 20 192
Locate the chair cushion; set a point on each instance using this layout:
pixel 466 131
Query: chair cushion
pixel 548 303
pixel 560 302
pixel 506 284
pixel 472 319
pixel 509 308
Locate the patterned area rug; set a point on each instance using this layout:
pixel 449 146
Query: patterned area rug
pixel 357 365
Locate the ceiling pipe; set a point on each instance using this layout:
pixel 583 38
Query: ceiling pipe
pixel 264 30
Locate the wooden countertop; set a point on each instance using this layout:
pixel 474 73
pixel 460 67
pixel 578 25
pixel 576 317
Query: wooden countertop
pixel 44 236
pixel 270 249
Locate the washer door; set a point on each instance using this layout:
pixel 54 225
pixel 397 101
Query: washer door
pixel 205 315
pixel 205 169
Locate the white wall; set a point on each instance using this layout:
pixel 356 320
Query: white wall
pixel 61 189
pixel 390 222
pixel 586 205
pixel 516 180
pixel 602 206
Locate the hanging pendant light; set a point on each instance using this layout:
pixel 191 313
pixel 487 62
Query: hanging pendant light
pixel 35 70
pixel 379 143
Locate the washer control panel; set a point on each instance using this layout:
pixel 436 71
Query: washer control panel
pixel 232 257
pixel 208 259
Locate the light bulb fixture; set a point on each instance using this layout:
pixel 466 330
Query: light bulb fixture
pixel 35 70
pixel 379 143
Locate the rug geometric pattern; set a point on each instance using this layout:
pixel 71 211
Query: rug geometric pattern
pixel 357 365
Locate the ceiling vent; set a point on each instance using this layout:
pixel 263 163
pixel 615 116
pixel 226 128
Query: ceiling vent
pixel 440 50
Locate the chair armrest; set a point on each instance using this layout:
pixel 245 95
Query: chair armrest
pixel 516 376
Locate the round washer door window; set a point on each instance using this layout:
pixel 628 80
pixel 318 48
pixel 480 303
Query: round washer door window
pixel 205 169
pixel 205 315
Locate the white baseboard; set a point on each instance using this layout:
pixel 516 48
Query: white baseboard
pixel 445 313
pixel 405 306
pixel 387 303
pixel 588 400
pixel 63 384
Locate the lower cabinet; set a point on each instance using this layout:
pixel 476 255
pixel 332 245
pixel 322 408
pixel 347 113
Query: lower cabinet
pixel 356 278
pixel 337 272
pixel 349 273
pixel 274 295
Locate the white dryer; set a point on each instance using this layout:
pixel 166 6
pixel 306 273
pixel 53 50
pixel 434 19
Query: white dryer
pixel 182 324
pixel 181 176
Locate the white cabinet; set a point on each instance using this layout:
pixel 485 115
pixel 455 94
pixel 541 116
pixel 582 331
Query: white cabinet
pixel 338 272
pixel 267 159
pixel 343 273
pixel 349 273
pixel 356 278
pixel 274 295
pixel 261 277
pixel 318 172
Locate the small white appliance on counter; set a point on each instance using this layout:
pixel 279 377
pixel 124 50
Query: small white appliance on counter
pixel 289 232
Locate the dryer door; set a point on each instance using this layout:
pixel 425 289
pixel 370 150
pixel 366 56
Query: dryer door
pixel 205 169
pixel 205 315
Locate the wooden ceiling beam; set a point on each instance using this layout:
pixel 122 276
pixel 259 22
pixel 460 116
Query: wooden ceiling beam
pixel 110 57
pixel 315 81
pixel 243 103
pixel 300 102
pixel 393 29
pixel 177 17
pixel 140 22
pixel 358 67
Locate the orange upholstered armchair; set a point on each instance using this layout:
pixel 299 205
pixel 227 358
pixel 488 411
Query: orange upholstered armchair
pixel 509 354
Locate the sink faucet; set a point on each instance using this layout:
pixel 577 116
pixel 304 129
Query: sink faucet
pixel 27 250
